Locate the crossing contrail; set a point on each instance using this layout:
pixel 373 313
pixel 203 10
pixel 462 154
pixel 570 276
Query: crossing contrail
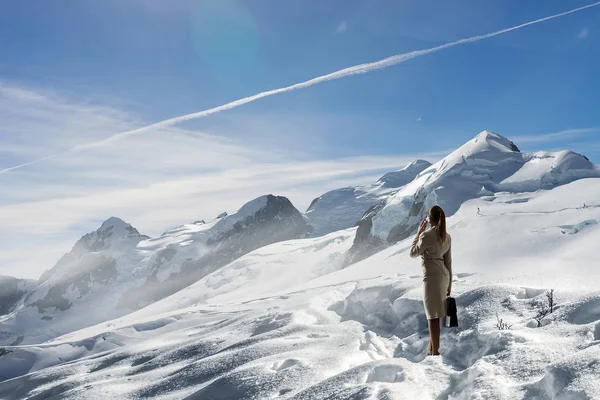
pixel 354 70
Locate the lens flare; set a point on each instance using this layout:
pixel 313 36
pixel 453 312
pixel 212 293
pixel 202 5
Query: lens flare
pixel 225 37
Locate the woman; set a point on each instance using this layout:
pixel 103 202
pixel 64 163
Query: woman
pixel 434 247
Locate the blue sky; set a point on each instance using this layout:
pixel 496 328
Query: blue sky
pixel 76 72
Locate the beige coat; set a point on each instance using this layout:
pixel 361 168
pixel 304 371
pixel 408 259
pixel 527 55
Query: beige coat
pixel 437 270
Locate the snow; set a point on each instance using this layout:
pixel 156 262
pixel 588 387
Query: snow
pixel 117 225
pixel 342 208
pixel 226 222
pixel 291 320
pixel 251 276
pixel 546 169
pixel 177 237
pixel 400 178
pixel 487 164
pixel 115 270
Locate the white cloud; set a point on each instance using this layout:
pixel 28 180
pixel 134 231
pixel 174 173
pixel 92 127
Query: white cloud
pixel 342 27
pixel 555 136
pixel 583 33
pixel 342 73
pixel 167 177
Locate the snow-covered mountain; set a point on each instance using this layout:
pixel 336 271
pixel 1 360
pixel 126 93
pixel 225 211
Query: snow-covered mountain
pixel 342 208
pixel 292 320
pixel 184 255
pixel 487 164
pixel 82 282
pixel 114 236
pixel 115 270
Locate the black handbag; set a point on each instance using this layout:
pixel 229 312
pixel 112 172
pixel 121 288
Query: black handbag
pixel 451 320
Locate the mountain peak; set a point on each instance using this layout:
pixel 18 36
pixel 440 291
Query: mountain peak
pixel 487 146
pixel 252 207
pixel 490 141
pixel 114 222
pixel 114 234
pixel 486 133
pixel 487 164
pixel 116 226
pixel 113 231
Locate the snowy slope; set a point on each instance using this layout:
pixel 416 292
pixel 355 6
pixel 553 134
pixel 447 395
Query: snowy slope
pixel 292 321
pixel 265 271
pixel 115 270
pixel 359 332
pixel 487 164
pixel 342 208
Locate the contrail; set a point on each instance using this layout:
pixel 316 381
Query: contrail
pixel 354 70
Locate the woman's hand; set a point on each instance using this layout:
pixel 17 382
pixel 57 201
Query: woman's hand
pixel 422 227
